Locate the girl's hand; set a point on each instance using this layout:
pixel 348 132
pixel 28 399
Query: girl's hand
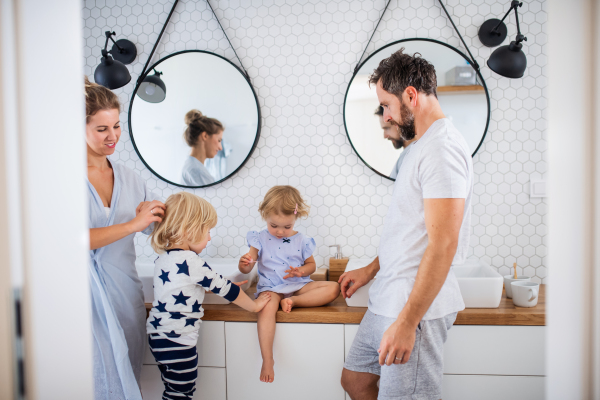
pixel 293 272
pixel 147 212
pixel 262 300
pixel 245 261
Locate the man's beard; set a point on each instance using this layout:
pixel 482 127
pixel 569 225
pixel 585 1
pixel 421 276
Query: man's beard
pixel 407 128
pixel 397 143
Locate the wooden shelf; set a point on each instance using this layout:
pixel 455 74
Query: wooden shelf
pixel 460 89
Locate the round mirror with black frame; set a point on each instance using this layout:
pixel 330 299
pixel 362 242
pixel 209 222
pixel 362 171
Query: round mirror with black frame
pixel 204 126
pixel 461 91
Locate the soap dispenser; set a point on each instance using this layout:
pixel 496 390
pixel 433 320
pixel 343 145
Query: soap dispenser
pixel 337 264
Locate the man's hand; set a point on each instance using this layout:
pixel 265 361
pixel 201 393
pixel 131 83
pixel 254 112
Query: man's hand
pixel 351 281
pixel 397 344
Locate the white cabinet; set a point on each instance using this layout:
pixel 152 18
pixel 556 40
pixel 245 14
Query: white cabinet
pixel 211 384
pixel 308 362
pixel 480 362
pixel 495 350
pixel 489 387
pixel 211 345
pixel 489 362
pixel 211 361
pixel 350 331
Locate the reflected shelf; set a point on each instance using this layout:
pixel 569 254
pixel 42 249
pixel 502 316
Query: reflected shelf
pixel 461 89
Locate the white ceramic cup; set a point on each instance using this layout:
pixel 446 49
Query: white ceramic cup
pixel 508 279
pixel 525 294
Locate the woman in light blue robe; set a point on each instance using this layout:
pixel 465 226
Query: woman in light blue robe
pixel 119 206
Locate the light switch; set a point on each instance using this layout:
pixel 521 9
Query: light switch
pixel 537 188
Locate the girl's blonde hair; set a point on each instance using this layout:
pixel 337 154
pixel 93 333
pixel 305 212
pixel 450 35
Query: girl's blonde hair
pixel 98 98
pixel 285 200
pixel 188 217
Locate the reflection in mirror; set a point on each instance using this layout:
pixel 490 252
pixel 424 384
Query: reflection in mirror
pixel 464 100
pixel 205 128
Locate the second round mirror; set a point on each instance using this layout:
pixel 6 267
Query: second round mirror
pixel 461 92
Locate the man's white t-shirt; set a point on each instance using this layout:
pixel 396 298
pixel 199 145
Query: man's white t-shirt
pixel 394 173
pixel 439 166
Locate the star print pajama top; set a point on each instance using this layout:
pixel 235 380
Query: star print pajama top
pixel 277 255
pixel 181 278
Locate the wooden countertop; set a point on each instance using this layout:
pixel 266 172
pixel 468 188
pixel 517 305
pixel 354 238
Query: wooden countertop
pixel 337 312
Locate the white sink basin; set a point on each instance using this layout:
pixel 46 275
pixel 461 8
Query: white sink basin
pixel 361 297
pixel 228 267
pixel 480 284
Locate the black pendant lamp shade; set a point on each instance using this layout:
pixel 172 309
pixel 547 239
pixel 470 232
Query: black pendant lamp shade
pixel 509 60
pixel 152 89
pixel 112 72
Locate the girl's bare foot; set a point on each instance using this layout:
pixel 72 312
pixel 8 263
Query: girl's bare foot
pixel 286 304
pixel 267 373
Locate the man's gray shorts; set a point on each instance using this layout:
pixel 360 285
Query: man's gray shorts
pixel 421 377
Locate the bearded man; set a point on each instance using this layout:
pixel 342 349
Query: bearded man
pixel 415 298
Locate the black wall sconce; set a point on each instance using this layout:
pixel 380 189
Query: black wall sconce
pixel 112 72
pixel 152 89
pixel 508 61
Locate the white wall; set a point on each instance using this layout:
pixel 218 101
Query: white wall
pixel 53 195
pixel 300 56
pixel 573 346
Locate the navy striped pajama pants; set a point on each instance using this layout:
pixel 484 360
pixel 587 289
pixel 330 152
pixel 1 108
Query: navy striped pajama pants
pixel 178 366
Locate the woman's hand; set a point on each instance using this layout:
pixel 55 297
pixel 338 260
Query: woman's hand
pixel 146 213
pixel 240 283
pixel 262 300
pixel 293 272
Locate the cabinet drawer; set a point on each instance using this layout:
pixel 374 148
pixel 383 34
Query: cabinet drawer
pixel 495 350
pixel 211 384
pixel 308 362
pixel 477 387
pixel 211 345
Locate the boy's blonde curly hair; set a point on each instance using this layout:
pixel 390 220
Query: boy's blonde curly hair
pixel 283 200
pixel 187 217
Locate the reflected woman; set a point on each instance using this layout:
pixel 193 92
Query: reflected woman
pixel 204 136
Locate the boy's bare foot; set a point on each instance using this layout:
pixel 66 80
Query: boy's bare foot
pixel 267 373
pixel 286 304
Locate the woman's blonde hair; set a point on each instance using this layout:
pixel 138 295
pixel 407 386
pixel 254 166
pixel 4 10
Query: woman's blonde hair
pixel 188 217
pixel 283 200
pixel 98 98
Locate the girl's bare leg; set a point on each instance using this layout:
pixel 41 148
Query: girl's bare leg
pixel 313 294
pixel 266 335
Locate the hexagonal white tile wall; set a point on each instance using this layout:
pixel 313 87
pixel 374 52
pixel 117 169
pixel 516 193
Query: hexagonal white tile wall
pixel 300 56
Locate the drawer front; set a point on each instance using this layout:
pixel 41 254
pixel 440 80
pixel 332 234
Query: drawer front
pixel 211 384
pixel 308 362
pixel 477 387
pixel 495 350
pixel 211 345
pixel 350 331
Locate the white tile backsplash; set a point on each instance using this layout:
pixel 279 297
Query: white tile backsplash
pixel 300 56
